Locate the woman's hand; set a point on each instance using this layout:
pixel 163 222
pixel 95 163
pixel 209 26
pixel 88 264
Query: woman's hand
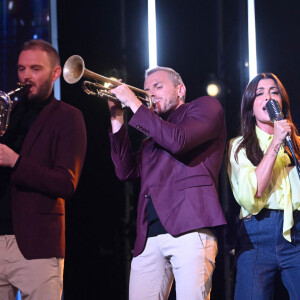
pixel 281 130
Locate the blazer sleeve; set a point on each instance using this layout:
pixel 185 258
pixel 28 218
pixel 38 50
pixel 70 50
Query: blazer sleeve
pixel 126 162
pixel 200 123
pixel 58 176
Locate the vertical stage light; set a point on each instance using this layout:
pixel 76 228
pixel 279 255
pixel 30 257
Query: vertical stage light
pixel 152 34
pixel 54 40
pixel 252 40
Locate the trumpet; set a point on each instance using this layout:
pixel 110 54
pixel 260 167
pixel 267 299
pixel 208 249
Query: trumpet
pixel 74 69
pixel 6 105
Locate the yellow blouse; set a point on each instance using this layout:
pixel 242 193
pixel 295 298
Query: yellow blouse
pixel 283 192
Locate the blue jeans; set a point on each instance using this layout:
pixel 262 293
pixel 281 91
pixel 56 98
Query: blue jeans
pixel 263 252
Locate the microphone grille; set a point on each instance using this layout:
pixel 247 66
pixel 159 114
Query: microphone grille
pixel 274 110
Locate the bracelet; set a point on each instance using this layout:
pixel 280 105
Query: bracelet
pixel 270 154
pixel 274 148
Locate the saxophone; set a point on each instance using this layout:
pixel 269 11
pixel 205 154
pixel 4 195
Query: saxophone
pixel 6 105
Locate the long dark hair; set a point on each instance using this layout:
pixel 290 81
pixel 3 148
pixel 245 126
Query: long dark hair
pixel 248 121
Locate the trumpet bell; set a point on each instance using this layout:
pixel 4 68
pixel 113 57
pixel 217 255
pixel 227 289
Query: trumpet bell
pixel 73 69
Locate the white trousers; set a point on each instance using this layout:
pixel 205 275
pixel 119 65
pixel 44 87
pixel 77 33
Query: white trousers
pixel 190 258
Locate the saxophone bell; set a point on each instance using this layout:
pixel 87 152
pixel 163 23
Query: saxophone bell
pixel 6 105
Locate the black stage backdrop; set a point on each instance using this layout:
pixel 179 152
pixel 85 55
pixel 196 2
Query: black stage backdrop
pixel 199 39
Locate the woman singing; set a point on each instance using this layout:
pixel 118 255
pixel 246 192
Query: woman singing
pixel 266 185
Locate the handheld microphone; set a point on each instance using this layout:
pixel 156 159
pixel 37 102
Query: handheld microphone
pixel 274 110
pixel 275 114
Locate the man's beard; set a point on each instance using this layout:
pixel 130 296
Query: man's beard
pixel 43 92
pixel 168 105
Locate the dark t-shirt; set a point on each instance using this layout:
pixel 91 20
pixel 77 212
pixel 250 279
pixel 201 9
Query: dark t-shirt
pixel 154 225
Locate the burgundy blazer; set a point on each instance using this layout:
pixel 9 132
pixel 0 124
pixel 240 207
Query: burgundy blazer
pixel 178 165
pixel 46 174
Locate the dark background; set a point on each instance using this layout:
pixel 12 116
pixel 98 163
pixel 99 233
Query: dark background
pixel 202 40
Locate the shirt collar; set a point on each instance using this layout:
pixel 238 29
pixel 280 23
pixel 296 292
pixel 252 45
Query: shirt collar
pixel 262 135
pixel 264 138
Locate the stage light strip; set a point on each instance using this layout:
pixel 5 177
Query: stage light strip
pixel 54 41
pixel 252 40
pixel 152 34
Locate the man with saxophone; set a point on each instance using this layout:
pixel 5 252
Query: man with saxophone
pixel 178 165
pixel 41 156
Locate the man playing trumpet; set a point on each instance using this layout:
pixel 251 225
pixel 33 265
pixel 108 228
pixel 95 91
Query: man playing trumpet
pixel 178 165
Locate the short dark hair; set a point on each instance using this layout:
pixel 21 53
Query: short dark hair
pixel 45 46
